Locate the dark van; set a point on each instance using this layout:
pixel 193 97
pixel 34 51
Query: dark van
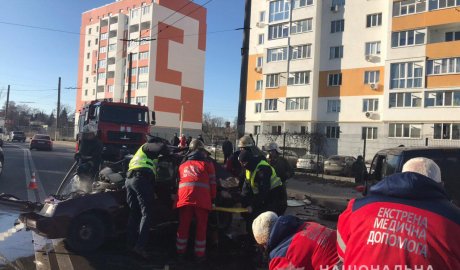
pixel 390 161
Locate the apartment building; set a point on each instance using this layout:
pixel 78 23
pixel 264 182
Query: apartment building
pixel 387 71
pixel 168 59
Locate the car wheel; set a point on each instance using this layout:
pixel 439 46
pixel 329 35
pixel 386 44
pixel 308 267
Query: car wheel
pixel 86 233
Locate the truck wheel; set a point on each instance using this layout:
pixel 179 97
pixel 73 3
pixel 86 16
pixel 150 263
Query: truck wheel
pixel 86 233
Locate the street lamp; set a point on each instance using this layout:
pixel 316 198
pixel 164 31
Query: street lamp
pixel 181 123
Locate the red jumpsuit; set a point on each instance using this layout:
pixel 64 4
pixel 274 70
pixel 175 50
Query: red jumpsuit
pixel 197 189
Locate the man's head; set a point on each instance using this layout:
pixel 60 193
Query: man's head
pixel 360 157
pixel 196 144
pixel 245 142
pixel 273 149
pixel 423 166
pixel 247 160
pixel 262 226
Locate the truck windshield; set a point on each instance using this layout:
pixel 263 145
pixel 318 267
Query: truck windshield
pixel 124 115
pixel 391 165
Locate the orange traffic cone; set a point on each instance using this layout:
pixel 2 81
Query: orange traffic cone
pixel 33 182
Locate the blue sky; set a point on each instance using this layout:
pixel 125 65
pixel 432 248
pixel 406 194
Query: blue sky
pixel 33 59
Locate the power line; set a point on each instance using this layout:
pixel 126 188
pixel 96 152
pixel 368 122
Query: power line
pixel 45 28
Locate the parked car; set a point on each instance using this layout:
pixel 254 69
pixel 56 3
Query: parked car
pixel 291 157
pixel 2 160
pixel 340 165
pixel 17 136
pixel 310 163
pixel 41 141
pixel 390 161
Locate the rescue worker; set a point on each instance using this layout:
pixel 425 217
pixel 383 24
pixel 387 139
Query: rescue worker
pixel 233 165
pixel 262 189
pixel 139 184
pixel 182 142
pixel 196 192
pixel 280 164
pixel 175 140
pixel 200 138
pixel 295 244
pixel 227 148
pixel 406 222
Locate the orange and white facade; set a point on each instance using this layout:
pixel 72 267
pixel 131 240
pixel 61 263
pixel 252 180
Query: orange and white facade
pixel 387 70
pixel 167 40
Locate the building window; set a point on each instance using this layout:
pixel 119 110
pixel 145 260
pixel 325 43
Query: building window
pixel 336 52
pixel 442 99
pixel 94 92
pixel 144 41
pixel 406 75
pixel 301 52
pixel 262 16
pixel 133 86
pixel 259 61
pixel 261 39
pixel 276 130
pixel 438 4
pixel 337 26
pixel 278 54
pixel 279 10
pixel 134 13
pixel 297 103
pixel 143 70
pixel 141 99
pixel 334 79
pixel 443 131
pixel 96 41
pixel 408 7
pixel 401 100
pixel 401 130
pixel 371 77
pixel 142 85
pixel 301 26
pixel 88 55
pixel 333 105
pixel 299 78
pixel 271 104
pixel 301 3
pixel 303 130
pixel 374 20
pixel 104 36
pixel 103 49
pixel 133 71
pixel 443 66
pixel 452 36
pixel 86 80
pixel 101 75
pixel 143 55
pixel 369 133
pixel 112 47
pixel 370 105
pixel 89 43
pixel 86 92
pixel 145 10
pixel 372 48
pixel 110 88
pixel 258 107
pixel 259 85
pixel 256 130
pixel 272 80
pixel 87 67
pixel 102 63
pixel 134 56
pixel 332 132
pixel 408 38
pixel 89 31
pixel 338 2
pixel 278 31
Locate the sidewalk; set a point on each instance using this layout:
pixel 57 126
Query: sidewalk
pixel 65 143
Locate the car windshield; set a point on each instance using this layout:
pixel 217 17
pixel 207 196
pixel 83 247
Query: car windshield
pixel 390 165
pixel 42 137
pixel 309 156
pixel 335 158
pixel 124 115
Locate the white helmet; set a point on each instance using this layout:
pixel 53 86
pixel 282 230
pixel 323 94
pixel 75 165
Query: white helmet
pixel 273 146
pixel 245 141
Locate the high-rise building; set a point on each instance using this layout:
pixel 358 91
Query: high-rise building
pixel 387 71
pixel 167 41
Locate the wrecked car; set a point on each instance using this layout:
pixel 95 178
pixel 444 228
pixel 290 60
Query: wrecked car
pixel 86 213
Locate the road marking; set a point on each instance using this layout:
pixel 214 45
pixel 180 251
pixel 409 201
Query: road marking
pixel 42 245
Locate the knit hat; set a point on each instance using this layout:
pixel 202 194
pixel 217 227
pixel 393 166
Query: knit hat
pixel 262 226
pixel 423 166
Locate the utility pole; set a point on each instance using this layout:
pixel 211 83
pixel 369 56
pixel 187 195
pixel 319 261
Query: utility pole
pixel 130 68
pixel 244 70
pixel 58 110
pixel 7 104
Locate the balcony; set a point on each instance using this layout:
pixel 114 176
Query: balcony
pixel 426 19
pixel 443 49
